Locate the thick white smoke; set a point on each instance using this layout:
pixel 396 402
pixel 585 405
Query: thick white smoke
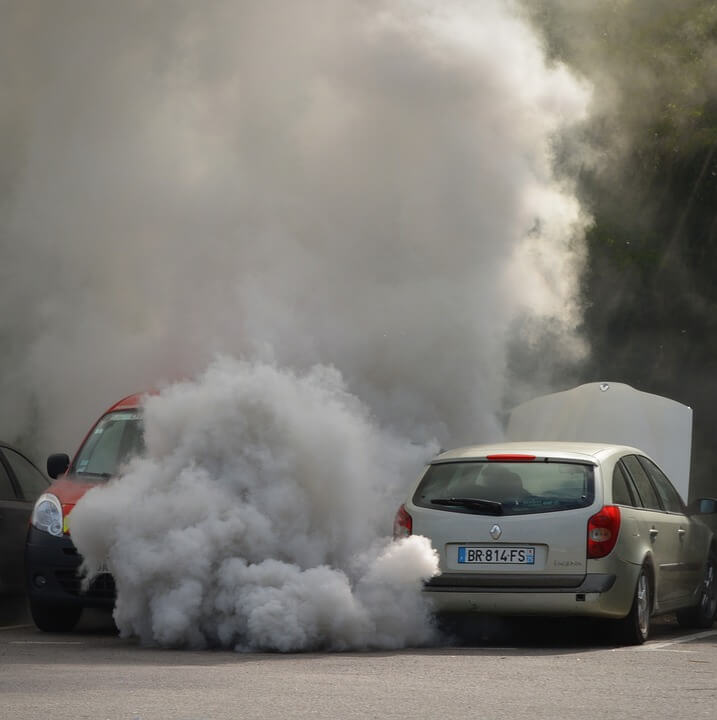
pixel 365 185
pixel 255 519
pixel 362 184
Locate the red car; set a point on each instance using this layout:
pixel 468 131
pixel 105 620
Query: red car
pixel 51 559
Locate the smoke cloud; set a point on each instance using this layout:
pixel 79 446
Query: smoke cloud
pixel 356 198
pixel 364 184
pixel 255 519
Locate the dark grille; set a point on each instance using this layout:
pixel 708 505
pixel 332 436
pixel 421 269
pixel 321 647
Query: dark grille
pixel 103 586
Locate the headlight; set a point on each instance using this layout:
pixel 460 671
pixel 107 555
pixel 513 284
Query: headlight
pixel 47 514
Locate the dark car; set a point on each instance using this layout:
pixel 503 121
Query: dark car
pixel 21 483
pixel 52 562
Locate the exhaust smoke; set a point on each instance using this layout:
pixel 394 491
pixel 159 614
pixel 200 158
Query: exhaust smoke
pixel 255 519
pixel 356 198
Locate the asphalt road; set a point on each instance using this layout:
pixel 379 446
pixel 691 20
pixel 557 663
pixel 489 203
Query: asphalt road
pixel 518 670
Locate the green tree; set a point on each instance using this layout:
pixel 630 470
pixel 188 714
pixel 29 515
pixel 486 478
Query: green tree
pixel 646 169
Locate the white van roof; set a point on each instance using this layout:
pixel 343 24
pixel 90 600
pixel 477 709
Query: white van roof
pixel 609 412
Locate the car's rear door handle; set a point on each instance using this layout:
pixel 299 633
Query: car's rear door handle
pixel 653 533
pixel 681 532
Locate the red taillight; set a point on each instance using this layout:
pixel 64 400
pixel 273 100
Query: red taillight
pixel 603 528
pixel 513 457
pixel 402 524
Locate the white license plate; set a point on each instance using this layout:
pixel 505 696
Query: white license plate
pixel 491 555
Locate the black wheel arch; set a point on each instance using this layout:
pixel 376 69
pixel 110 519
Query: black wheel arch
pixel 648 563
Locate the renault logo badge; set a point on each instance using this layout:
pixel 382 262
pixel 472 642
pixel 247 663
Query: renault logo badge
pixel 495 532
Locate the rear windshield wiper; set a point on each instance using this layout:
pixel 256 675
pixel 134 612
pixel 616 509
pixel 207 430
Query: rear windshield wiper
pixel 488 506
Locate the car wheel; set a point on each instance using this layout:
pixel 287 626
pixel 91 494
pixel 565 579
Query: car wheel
pixel 634 629
pixel 55 618
pixel 702 615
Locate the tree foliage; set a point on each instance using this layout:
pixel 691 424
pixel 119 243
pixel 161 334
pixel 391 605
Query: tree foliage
pixel 647 171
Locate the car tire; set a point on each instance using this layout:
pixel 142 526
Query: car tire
pixel 634 629
pixel 55 618
pixel 703 614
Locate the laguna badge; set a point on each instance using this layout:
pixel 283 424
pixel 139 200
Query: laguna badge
pixel 495 532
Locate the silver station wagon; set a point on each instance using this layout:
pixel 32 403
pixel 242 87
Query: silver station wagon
pixel 563 529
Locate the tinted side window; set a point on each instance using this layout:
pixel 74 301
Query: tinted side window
pixel 7 492
pixel 31 481
pixel 621 492
pixel 670 497
pixel 642 483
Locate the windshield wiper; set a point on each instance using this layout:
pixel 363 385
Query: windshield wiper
pixel 105 475
pixel 488 506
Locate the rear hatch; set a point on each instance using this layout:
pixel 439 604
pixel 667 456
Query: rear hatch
pixel 507 520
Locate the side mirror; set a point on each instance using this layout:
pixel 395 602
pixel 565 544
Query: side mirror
pixel 704 506
pixel 57 464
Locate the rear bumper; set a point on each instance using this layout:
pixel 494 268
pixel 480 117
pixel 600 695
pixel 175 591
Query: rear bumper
pixel 51 573
pixel 464 582
pixel 607 594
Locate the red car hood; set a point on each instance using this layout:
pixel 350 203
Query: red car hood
pixel 68 492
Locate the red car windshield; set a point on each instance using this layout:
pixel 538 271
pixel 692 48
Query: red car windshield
pixel 117 437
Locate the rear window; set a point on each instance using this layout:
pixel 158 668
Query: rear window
pixel 116 438
pixel 506 488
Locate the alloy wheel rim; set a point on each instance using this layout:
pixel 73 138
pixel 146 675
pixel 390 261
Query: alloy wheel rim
pixel 643 612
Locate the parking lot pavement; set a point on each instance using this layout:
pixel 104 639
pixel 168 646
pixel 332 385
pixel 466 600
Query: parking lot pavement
pixel 14 611
pixel 553 670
